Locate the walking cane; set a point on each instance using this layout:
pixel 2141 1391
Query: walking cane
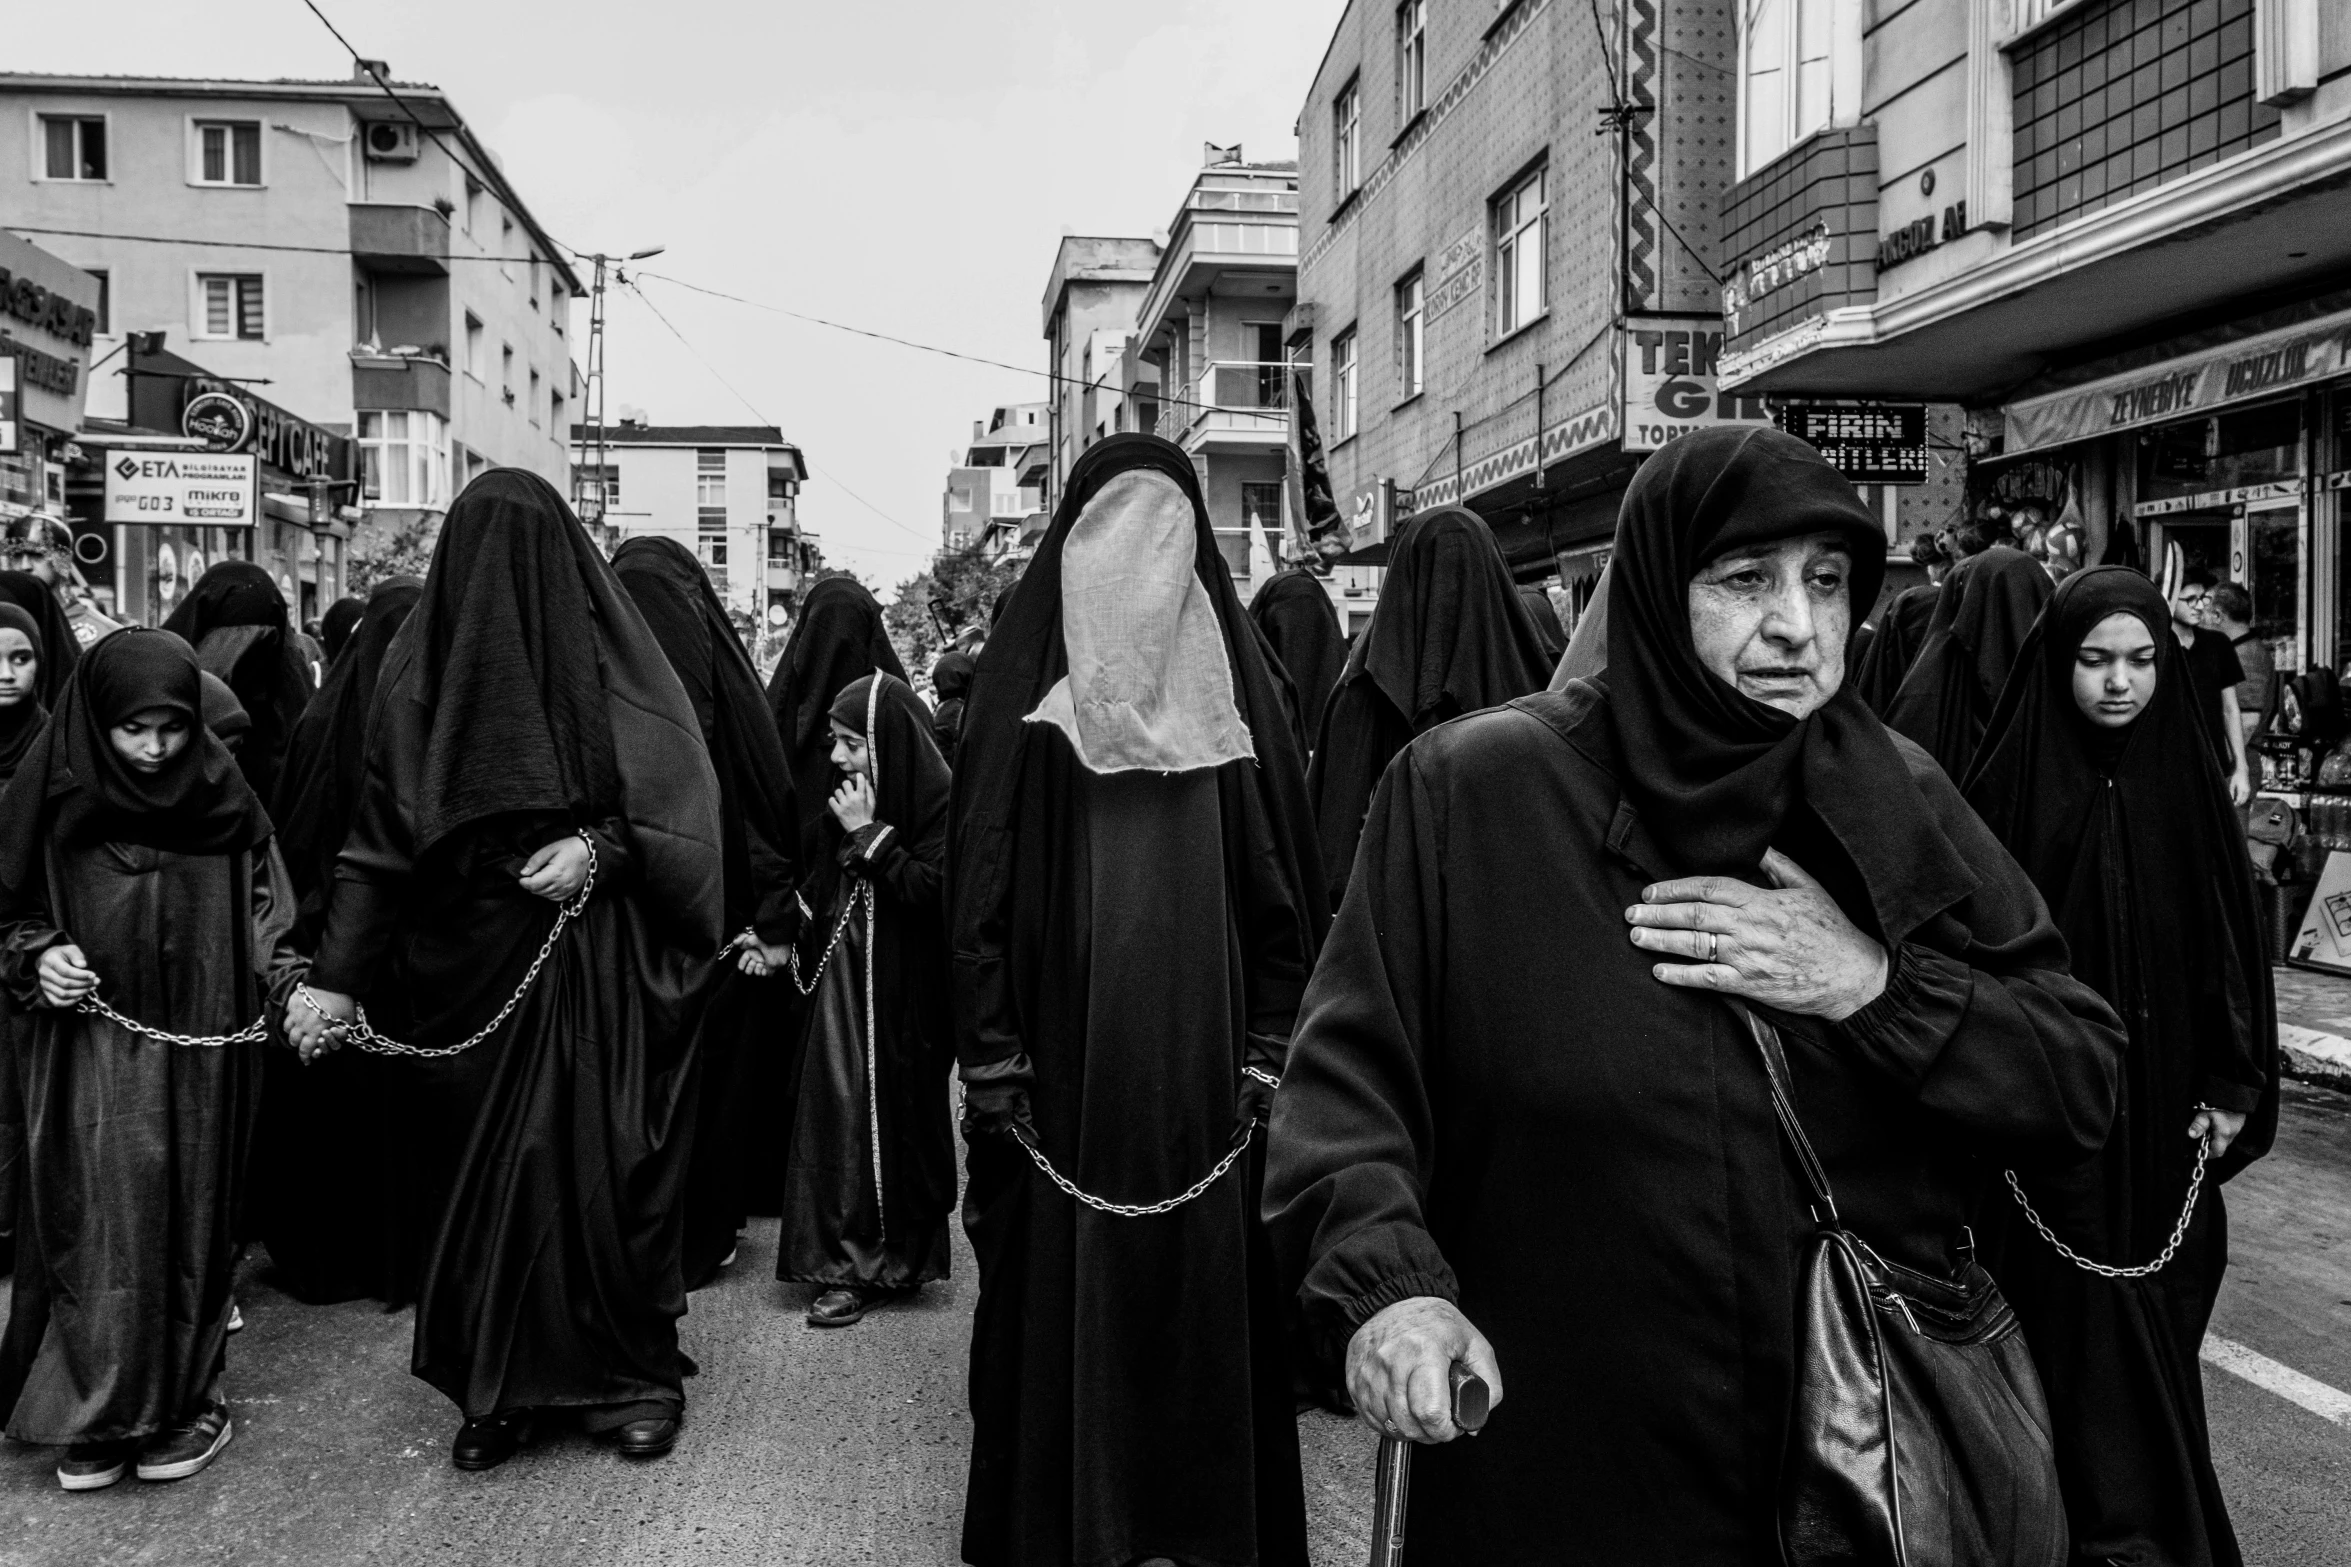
pixel 1470 1405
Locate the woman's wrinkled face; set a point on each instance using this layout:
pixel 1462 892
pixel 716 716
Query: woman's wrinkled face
pixel 1772 620
pixel 848 750
pixel 149 739
pixel 20 667
pixel 2114 671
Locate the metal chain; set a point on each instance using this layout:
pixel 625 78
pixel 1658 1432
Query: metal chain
pixel 792 953
pixel 1129 1210
pixel 2179 1231
pixel 252 1033
pixel 367 1039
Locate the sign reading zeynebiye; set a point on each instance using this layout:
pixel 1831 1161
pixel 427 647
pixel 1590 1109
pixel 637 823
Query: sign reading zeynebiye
pixel 208 489
pixel 1869 443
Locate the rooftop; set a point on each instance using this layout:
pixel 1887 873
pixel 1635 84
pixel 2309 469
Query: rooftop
pixel 688 435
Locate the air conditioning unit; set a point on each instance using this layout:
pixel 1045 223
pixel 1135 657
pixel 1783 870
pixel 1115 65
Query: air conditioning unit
pixel 390 141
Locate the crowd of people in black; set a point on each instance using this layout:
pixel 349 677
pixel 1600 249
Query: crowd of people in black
pixel 1682 1025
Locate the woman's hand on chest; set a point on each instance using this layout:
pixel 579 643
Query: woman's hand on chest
pixel 1788 946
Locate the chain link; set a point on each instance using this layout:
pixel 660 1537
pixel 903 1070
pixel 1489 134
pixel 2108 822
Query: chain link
pixel 1128 1210
pixel 252 1033
pixel 2179 1231
pixel 367 1039
pixel 864 891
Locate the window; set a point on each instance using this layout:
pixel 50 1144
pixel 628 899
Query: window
pixel 505 244
pixel 555 415
pixel 228 152
pixel 506 370
pixel 73 147
pixel 531 408
pixel 229 306
pixel 710 485
pixel 473 346
pixel 710 543
pixel 1347 139
pixel 1518 255
pixel 403 458
pixel 584 486
pixel 531 286
pixel 1343 385
pixel 1411 319
pixel 1784 77
pixel 1412 60
pixel 472 208
pixel 105 326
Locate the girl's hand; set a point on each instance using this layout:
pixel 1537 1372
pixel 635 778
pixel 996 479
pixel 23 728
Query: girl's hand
pixel 66 976
pixel 852 804
pixel 311 1034
pixel 2222 1126
pixel 557 871
pixel 758 959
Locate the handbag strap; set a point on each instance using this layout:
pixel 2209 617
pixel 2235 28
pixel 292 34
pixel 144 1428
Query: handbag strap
pixel 1775 1068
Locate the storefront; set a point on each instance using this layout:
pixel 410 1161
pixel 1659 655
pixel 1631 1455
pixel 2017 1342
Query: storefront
pixel 307 479
pixel 48 316
pixel 2239 454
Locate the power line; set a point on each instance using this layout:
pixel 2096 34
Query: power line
pixel 236 244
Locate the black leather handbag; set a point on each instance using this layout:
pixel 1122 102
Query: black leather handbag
pixel 1919 1436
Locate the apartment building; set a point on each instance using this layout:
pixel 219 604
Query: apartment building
pixel 1503 308
pixel 730 493
pixel 2117 231
pixel 379 276
pixel 993 499
pixel 1092 295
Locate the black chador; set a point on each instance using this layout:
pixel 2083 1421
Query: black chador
pixel 525 713
pixel 871 1179
pixel 1136 905
pixel 1492 1099
pixel 1294 612
pixel 235 619
pixel 1981 616
pixel 60 651
pixel 121 1154
pixel 329 1200
pixel 838 638
pixel 2128 832
pixel 1901 631
pixel 1450 636
pixel 743 1017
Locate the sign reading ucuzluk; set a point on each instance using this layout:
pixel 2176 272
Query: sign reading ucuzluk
pixel 200 489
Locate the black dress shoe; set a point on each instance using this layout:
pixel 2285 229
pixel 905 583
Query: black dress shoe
pixel 485 1444
pixel 646 1438
pixel 839 1307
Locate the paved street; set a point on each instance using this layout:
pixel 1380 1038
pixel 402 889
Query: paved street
pixel 844 1447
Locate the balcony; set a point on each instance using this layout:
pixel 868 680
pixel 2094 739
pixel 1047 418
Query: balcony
pixel 1231 406
pixel 396 238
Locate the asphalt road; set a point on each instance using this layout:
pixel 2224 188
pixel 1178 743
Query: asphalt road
pixel 849 1446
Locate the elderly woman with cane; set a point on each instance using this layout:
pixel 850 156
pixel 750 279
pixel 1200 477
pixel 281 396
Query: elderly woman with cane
pixel 1752 904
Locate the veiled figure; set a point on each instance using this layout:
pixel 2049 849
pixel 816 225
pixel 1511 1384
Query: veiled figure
pixel 1981 615
pixel 1294 612
pixel 235 618
pixel 530 748
pixel 1135 905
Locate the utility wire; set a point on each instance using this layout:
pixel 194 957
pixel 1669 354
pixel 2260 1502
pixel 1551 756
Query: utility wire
pixel 239 244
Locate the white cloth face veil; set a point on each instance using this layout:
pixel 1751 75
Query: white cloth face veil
pixel 1149 684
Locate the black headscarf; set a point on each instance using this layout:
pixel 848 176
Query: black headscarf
pixel 506 653
pixel 336 625
pixel 19 724
pixel 320 781
pixel 74 785
pixel 1451 634
pixel 1294 611
pixel 1988 603
pixel 2132 839
pixel 60 650
pixel 951 684
pixel 839 637
pixel 909 777
pixel 235 619
pixel 1716 775
pixel 1901 631
pixel 224 715
pixel 1545 616
pixel 759 816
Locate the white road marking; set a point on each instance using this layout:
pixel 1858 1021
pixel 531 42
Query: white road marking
pixel 2321 1400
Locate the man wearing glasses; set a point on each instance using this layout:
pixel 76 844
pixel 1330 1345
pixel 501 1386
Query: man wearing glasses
pixel 43 547
pixel 2215 672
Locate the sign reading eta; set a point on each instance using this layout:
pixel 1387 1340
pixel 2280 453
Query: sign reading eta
pixel 1669 385
pixel 1869 443
pixel 207 489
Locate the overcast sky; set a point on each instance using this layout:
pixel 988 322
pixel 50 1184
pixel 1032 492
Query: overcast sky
pixel 904 167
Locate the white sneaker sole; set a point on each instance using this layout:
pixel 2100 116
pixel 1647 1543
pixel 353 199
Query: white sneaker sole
pixel 97 1481
pixel 191 1466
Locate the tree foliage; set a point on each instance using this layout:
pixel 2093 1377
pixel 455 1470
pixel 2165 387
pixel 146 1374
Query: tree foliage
pixel 401 550
pixel 960 589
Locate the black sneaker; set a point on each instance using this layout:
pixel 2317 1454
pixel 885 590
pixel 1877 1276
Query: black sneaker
pixel 93 1466
pixel 187 1449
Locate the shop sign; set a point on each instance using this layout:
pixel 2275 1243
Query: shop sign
pixel 1669 382
pixel 220 420
pixel 209 489
pixel 1920 235
pixel 2255 367
pixel 11 416
pixel 1869 443
pixel 46 309
pixel 1460 269
pixel 1774 270
pixel 2213 500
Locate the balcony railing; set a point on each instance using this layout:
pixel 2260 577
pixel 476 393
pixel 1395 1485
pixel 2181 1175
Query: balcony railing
pixel 1233 396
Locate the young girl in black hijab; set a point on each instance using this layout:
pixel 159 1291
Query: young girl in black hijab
pixel 141 901
pixel 22 665
pixel 871 1175
pixel 2098 775
pixel 53 632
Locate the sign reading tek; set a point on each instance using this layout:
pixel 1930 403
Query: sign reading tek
pixel 1669 388
pixel 206 489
